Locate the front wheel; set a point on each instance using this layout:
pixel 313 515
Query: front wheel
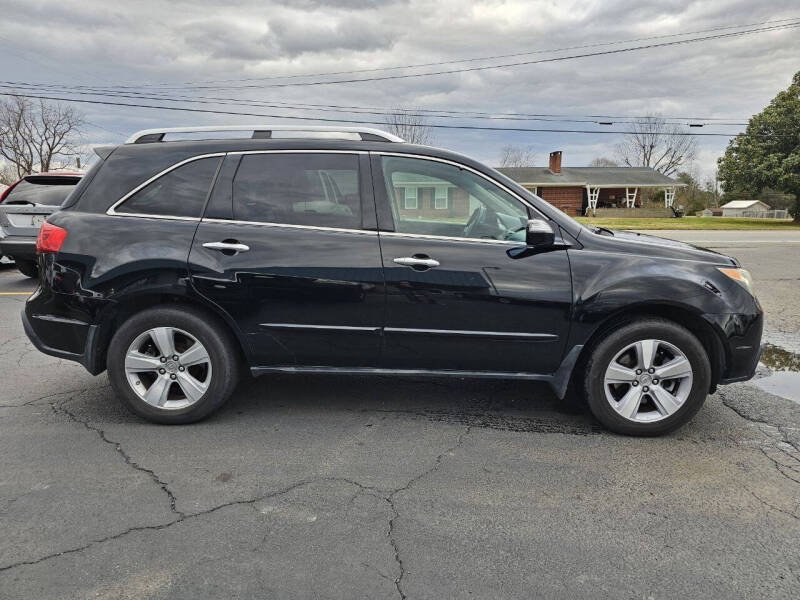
pixel 648 377
pixel 172 364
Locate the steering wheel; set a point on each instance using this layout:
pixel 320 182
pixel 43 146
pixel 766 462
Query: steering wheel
pixel 476 218
pixel 512 232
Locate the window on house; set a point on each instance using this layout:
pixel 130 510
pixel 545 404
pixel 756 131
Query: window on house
pixel 411 200
pixel 440 198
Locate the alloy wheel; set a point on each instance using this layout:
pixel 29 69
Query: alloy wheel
pixel 648 381
pixel 168 368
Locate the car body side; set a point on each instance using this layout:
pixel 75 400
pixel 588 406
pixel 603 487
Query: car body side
pixel 110 267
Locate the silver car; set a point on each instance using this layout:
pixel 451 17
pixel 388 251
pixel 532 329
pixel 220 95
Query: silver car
pixel 23 208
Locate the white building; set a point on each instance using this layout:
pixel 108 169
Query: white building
pixel 737 208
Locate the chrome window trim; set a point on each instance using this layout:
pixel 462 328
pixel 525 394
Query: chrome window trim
pixel 290 226
pixel 443 238
pixel 153 216
pixel 449 238
pixel 111 211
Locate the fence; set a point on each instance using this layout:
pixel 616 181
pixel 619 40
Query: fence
pixel 633 213
pixel 765 214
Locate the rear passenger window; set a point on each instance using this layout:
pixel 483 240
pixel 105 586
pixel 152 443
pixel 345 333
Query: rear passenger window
pixel 298 189
pixel 179 193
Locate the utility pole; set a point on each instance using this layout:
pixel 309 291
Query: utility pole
pixel 716 185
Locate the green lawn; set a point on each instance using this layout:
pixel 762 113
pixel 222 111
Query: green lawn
pixel 692 223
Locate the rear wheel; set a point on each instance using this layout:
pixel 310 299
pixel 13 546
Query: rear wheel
pixel 172 364
pixel 648 377
pixel 29 268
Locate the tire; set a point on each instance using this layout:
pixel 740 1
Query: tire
pixel 208 384
pixel 29 268
pixel 665 404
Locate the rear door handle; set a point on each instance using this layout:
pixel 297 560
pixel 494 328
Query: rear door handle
pixel 410 261
pixel 226 246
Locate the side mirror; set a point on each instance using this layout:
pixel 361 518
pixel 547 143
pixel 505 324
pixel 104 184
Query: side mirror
pixel 539 234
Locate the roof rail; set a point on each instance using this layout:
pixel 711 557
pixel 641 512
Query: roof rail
pixel 366 134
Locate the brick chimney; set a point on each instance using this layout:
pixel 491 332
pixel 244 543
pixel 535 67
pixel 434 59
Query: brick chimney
pixel 555 161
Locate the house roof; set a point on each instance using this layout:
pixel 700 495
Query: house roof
pixel 593 176
pixel 742 204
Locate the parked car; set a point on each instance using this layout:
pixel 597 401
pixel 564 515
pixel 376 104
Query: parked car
pixel 24 205
pixel 176 262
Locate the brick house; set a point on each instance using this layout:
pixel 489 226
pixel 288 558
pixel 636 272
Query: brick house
pixel 421 197
pixel 576 190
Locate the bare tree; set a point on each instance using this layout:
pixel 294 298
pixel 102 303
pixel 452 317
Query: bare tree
pixel 658 144
pixel 516 156
pixel 35 134
pixel 8 174
pixel 411 126
pixel 602 161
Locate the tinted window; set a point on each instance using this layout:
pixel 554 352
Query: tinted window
pixel 433 198
pixel 179 193
pixel 52 194
pixel 298 189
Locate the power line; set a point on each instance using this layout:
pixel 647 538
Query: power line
pixel 792 25
pixel 360 121
pixel 428 111
pixel 475 59
pixel 351 109
pixel 327 108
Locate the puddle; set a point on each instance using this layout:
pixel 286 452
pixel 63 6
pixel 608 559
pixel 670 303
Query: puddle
pixel 778 359
pixel 784 380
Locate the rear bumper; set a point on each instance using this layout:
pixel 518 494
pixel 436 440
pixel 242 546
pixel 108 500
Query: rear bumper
pixel 81 337
pixel 18 247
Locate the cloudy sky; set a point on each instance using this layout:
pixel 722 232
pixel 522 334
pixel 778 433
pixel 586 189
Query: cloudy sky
pixel 241 50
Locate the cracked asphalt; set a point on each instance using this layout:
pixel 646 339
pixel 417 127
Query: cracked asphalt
pixel 355 487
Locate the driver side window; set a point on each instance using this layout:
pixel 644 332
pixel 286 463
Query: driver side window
pixel 434 198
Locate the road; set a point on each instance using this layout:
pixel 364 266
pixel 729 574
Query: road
pixel 332 487
pixel 773 258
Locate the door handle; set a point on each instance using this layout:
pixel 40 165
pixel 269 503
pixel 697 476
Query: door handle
pixel 226 246
pixel 410 261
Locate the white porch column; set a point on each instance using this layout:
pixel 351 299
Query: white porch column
pixel 593 195
pixel 630 197
pixel 669 196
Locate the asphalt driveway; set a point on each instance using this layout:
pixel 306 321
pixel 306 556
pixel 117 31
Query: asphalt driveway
pixel 333 487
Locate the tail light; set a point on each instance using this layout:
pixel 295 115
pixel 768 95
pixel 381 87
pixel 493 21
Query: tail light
pixel 50 239
pixel 7 191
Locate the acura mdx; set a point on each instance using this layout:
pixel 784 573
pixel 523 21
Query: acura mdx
pixel 174 263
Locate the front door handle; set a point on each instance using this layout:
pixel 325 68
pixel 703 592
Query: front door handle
pixel 227 246
pixel 410 261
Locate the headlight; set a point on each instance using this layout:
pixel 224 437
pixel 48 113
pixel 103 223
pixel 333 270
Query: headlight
pixel 740 276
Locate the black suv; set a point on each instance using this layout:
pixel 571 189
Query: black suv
pixel 174 263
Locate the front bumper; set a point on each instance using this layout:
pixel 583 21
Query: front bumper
pixel 18 247
pixel 750 372
pixel 741 336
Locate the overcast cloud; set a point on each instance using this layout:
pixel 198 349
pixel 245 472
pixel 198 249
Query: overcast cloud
pixel 92 42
